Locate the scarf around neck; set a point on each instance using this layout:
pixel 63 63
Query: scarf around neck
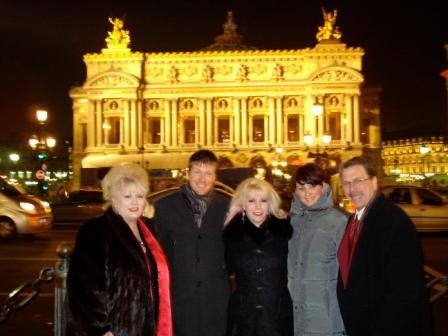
pixel 165 321
pixel 198 204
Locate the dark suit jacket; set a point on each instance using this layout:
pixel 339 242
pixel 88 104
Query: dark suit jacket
pixel 196 255
pixel 386 292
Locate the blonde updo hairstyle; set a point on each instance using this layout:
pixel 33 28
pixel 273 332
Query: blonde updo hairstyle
pixel 119 177
pixel 254 185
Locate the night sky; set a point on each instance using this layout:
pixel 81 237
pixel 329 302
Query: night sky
pixel 42 44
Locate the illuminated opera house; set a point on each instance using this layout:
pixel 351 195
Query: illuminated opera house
pixel 252 107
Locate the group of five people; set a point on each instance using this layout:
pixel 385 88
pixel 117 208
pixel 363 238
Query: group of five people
pixel 196 265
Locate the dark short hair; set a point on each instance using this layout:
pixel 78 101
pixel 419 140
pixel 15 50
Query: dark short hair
pixel 361 161
pixel 203 156
pixel 310 173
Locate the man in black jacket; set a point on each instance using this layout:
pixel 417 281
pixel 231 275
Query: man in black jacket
pixel 381 287
pixel 190 228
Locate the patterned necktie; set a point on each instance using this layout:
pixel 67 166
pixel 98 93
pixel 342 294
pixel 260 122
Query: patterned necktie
pixel 346 248
pixel 352 234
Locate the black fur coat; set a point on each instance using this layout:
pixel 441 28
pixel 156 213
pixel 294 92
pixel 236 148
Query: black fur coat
pixel 108 281
pixel 261 304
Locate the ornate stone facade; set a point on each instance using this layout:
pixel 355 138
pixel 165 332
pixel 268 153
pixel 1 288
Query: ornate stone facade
pixel 242 103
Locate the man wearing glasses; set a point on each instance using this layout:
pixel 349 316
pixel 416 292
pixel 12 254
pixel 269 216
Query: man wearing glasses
pixel 381 286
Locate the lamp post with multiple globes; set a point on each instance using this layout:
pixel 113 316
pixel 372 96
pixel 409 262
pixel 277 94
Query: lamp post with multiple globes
pixel 42 144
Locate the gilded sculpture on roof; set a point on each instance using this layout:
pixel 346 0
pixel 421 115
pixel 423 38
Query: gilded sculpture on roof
pixel 329 31
pixel 118 38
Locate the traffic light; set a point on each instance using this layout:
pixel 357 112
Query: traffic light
pixel 42 156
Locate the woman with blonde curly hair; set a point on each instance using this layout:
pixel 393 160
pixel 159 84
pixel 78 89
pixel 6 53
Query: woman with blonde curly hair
pixel 256 236
pixel 118 282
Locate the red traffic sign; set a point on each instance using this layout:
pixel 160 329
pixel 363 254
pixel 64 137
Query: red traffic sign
pixel 40 174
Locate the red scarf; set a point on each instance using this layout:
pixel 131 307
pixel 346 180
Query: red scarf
pixel 165 321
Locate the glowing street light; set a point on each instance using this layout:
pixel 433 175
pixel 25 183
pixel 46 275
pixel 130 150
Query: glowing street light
pixel 14 157
pixel 41 142
pixel 308 139
pixel 42 116
pixel 326 139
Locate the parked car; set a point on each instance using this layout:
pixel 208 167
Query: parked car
pixel 426 208
pixel 81 205
pixel 21 213
pixel 78 206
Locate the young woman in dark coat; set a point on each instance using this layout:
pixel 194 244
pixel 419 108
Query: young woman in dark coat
pixel 118 280
pixel 256 238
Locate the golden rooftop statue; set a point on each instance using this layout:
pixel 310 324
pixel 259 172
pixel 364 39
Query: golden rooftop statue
pixel 118 38
pixel 329 31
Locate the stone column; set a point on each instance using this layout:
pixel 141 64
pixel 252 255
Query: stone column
pixel 209 114
pixel 99 124
pixel 137 123
pixel 309 118
pixel 356 124
pixel 127 123
pixel 174 141
pixel 244 122
pixel 280 125
pixel 349 113
pixel 91 125
pixel 271 120
pixel 237 130
pixel 321 122
pixel 167 128
pixel 202 122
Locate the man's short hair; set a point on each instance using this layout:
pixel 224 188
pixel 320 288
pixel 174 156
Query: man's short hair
pixel 359 160
pixel 203 156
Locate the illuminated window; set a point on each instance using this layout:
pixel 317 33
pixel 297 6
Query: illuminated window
pixel 223 130
pixel 112 130
pixel 293 128
pixel 334 125
pixel 189 131
pixel 258 129
pixel 152 131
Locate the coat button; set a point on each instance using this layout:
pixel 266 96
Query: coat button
pixel 199 236
pixel 198 284
pixel 258 270
pixel 259 288
pixel 258 251
pixel 259 307
pixel 198 259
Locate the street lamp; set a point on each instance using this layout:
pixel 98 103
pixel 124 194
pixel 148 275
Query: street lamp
pixel 42 116
pixel 14 157
pixel 308 139
pixel 41 142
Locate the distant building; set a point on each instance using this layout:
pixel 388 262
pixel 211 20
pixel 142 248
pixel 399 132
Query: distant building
pixel 418 159
pixel 422 160
pixel 252 107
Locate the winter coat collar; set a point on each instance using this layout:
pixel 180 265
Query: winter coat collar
pixel 239 228
pixel 124 233
pixel 322 206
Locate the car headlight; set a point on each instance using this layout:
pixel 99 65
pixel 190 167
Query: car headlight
pixel 29 207
pixel 46 206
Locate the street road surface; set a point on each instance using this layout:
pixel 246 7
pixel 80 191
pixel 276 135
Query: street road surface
pixel 22 259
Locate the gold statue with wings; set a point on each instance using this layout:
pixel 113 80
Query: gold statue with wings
pixel 329 31
pixel 118 38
